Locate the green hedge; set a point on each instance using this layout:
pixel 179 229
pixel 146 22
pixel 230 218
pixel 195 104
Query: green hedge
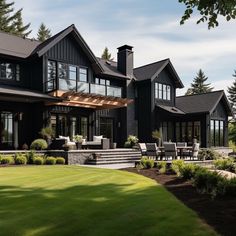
pixel 60 161
pixel 39 144
pixel 7 159
pixel 50 161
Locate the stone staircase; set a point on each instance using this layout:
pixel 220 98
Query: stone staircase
pixel 114 156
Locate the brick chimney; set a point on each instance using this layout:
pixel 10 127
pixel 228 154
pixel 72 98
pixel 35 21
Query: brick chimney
pixel 125 62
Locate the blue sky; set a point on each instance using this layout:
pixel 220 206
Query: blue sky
pixel 152 27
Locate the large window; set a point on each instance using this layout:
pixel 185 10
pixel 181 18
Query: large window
pixel 217 133
pixel 6 130
pixel 166 129
pixel 10 71
pixel 83 75
pixel 67 79
pixel 51 76
pixel 162 91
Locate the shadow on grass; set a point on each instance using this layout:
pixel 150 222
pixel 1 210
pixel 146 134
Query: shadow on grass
pixel 106 209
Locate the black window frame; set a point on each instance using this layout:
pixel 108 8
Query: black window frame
pixel 16 71
pixel 53 80
pixel 217 139
pixel 160 93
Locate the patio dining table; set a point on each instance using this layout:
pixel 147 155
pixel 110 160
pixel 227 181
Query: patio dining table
pixel 180 150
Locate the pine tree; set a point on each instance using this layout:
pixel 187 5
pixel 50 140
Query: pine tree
pixel 10 21
pixel 232 95
pixel 19 28
pixel 106 55
pixel 5 18
pixel 199 86
pixel 43 33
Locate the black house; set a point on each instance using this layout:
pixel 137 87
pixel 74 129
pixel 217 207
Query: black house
pixel 61 83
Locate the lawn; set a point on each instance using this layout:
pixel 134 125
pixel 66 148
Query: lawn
pixel 70 200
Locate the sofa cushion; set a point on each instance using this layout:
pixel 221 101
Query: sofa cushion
pixel 98 138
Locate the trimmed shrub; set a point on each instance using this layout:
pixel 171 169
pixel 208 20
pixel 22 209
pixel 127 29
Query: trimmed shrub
pixel 39 144
pixel 20 159
pixel 127 144
pixel 60 161
pixel 38 160
pixel 224 164
pixel 146 163
pixel 176 166
pixel 187 171
pixel 6 159
pixel 30 157
pixel 208 154
pixel 132 140
pixel 161 165
pixel 50 161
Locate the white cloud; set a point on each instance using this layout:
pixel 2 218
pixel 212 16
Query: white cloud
pixel 154 37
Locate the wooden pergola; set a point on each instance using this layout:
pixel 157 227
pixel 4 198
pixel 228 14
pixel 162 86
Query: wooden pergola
pixel 86 100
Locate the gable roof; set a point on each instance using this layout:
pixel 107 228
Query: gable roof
pixel 202 103
pixel 150 71
pixel 110 68
pixel 16 46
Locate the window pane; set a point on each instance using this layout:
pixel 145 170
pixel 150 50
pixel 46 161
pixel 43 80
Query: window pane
pixel 102 81
pixel 164 91
pixel 53 124
pixel 51 70
pixel 6 128
pixel 183 127
pixel 83 74
pixel 108 82
pixel 221 133
pixel 189 133
pixel 159 91
pixel 50 85
pixel 72 72
pixel 17 73
pixel 8 71
pixel 168 92
pixel 84 127
pixel 212 133
pixel 217 137
pixel 156 90
pixel 96 80
pixel 178 138
pixel 197 131
pixel 62 71
pixel 65 84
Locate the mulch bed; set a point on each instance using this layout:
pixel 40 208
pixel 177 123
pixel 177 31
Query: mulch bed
pixel 219 213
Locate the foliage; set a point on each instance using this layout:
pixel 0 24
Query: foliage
pixel 176 166
pixel 209 182
pixel 47 132
pixel 156 134
pixel 187 171
pixel 106 55
pixel 78 138
pixel 127 144
pixel 39 144
pixel 20 159
pixel 132 139
pixel 38 160
pixel 44 33
pixel 30 157
pixel 224 164
pixel 232 132
pixel 60 161
pixel 50 161
pixel 146 163
pixel 232 145
pixel 208 154
pixel 232 95
pixel 161 165
pixel 7 159
pixel 209 10
pixel 10 21
pixel 199 86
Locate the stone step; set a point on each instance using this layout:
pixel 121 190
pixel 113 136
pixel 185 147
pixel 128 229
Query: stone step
pixel 101 162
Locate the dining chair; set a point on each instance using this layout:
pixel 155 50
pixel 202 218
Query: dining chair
pixel 142 148
pixel 170 150
pixel 152 150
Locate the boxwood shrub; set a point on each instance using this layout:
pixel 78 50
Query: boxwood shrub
pixel 20 159
pixel 7 159
pixel 50 161
pixel 60 161
pixel 176 166
pixel 39 144
pixel 161 165
pixel 146 163
pixel 38 160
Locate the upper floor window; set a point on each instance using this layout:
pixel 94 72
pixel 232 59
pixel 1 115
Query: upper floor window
pixel 51 76
pixel 66 76
pixel 162 91
pixel 83 75
pixel 102 81
pixel 10 71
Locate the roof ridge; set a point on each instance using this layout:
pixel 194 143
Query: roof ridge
pixel 216 91
pixel 152 63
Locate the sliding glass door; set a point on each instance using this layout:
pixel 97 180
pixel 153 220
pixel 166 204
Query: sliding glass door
pixel 106 127
pixel 217 133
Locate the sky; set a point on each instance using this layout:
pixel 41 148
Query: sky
pixel 151 27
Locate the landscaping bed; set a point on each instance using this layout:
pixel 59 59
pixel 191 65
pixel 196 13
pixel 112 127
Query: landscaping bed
pixel 220 213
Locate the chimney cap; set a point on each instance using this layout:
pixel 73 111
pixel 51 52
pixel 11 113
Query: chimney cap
pixel 125 47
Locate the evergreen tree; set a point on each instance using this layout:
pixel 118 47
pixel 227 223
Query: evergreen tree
pixel 43 33
pixel 106 55
pixel 5 18
pixel 232 94
pixel 199 86
pixel 10 21
pixel 19 28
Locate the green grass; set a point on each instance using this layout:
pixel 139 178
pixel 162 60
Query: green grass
pixel 70 200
